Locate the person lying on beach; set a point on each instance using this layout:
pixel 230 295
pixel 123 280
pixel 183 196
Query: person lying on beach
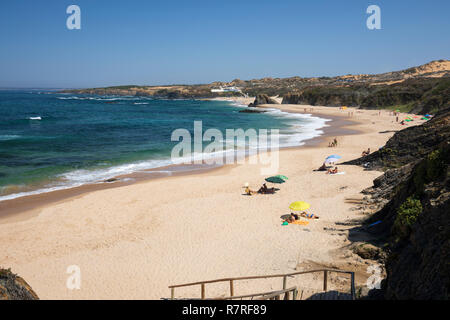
pixel 295 216
pixel 289 220
pixel 265 190
pixel 333 171
pixel 309 216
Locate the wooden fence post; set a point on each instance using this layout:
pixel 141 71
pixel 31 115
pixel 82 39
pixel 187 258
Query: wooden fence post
pixel 325 280
pixel 203 291
pixel 231 288
pixel 353 293
pixel 172 293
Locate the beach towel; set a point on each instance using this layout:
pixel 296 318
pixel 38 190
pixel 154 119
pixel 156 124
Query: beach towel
pixel 301 222
pixel 340 173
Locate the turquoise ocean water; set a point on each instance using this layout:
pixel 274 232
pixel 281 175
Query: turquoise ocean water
pixel 51 141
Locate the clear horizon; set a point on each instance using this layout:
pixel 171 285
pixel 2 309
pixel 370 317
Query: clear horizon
pixel 163 43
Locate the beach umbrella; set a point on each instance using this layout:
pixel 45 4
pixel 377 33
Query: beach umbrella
pixel 332 158
pixel 275 179
pixel 299 206
pixel 281 176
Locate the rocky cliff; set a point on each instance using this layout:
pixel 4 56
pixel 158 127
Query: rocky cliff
pixel 422 89
pixel 13 287
pixel 409 145
pixel 414 210
pixel 424 95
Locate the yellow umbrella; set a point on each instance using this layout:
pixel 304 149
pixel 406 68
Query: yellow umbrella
pixel 299 206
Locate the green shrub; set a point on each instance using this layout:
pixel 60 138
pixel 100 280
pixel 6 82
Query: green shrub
pixel 407 215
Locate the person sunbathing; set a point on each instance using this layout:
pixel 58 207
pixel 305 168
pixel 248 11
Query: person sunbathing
pixel 295 216
pixel 269 190
pixel 332 171
pixel 309 216
pixel 365 153
pixel 248 191
pixel 265 190
pixel 289 219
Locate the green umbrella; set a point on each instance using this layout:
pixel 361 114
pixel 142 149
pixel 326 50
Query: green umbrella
pixel 281 176
pixel 275 179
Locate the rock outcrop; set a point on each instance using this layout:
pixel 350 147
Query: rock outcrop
pixel 262 99
pixel 13 287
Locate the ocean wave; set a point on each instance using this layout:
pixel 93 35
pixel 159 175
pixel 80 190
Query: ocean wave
pixel 299 128
pixel 107 98
pixel 35 118
pixel 302 126
pixel 7 137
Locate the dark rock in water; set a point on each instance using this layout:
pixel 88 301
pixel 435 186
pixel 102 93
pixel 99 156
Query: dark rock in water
pixel 252 111
pixel 262 99
pixel 13 287
pixel 111 180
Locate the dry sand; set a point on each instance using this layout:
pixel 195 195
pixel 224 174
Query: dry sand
pixel 132 242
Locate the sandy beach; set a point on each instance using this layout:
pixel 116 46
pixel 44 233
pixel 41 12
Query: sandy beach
pixel 133 241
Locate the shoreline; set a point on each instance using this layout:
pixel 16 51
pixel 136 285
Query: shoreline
pixel 20 208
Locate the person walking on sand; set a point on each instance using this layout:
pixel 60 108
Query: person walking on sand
pixel 335 142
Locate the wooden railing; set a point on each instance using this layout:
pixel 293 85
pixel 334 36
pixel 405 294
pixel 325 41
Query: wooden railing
pixel 272 295
pixel 284 276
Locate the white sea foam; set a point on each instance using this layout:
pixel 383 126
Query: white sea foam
pixel 307 127
pixel 35 118
pixel 7 137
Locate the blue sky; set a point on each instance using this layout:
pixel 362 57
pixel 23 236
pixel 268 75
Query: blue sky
pixel 150 42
